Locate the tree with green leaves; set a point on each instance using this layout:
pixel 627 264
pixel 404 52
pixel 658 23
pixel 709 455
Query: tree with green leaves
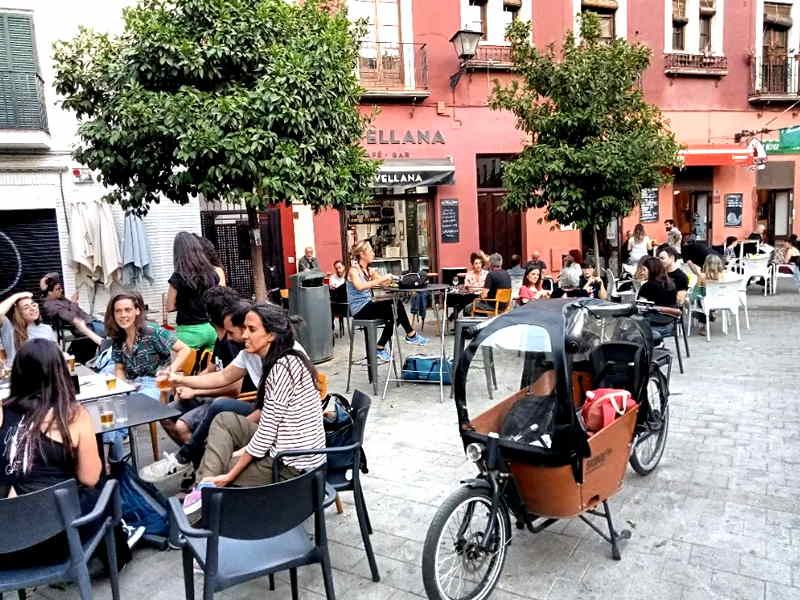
pixel 594 142
pixel 241 101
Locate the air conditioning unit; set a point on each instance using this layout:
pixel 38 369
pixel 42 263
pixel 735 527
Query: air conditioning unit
pixel 82 175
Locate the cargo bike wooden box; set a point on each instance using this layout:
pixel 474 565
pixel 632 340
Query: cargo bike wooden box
pixel 549 352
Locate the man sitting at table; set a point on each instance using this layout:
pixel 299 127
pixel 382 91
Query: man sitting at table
pixel 68 310
pixel 669 258
pixel 199 407
pixel 497 279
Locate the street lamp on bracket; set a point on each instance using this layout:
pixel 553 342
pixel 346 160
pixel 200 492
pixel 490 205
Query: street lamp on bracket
pixel 465 43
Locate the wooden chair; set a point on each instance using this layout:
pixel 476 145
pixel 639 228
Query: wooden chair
pixel 195 362
pixel 502 296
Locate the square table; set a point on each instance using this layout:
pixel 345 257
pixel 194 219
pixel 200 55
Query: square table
pixel 142 409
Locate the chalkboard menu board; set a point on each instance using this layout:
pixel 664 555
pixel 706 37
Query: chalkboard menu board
pixel 450 224
pixel 648 205
pixel 733 210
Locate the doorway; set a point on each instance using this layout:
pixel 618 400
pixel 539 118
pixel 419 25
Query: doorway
pixel 775 213
pixel 500 231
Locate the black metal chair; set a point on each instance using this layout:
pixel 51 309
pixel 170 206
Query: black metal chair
pixel 255 531
pixel 33 518
pixel 348 479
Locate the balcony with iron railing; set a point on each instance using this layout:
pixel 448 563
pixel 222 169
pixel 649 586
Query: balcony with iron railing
pixel 23 113
pixel 490 58
pixel 695 65
pixel 393 71
pixel 773 79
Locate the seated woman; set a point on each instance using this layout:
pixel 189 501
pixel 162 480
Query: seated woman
pixel 25 323
pixel 659 290
pixel 787 260
pixel 593 284
pixel 46 437
pixel 240 450
pixel 139 350
pixel 531 288
pixel 569 285
pixel 473 284
pixel 360 282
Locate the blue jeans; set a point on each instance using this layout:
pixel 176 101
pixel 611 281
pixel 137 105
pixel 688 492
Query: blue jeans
pixel 116 438
pixel 193 450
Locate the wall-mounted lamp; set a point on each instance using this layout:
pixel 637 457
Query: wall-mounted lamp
pixel 465 43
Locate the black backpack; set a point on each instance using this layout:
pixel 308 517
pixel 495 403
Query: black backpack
pixel 338 420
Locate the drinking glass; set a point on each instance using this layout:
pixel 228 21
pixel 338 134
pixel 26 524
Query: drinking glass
pixel 121 409
pixel 106 410
pixel 111 381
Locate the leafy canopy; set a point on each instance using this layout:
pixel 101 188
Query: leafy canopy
pixel 238 100
pixel 594 140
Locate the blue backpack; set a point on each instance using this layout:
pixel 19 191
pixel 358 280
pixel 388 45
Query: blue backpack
pixel 142 503
pixel 337 417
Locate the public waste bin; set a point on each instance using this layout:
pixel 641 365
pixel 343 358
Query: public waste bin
pixel 309 298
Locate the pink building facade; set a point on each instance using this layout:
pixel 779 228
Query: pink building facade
pixel 718 68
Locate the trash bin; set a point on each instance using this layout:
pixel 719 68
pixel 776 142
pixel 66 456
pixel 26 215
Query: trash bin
pixel 310 299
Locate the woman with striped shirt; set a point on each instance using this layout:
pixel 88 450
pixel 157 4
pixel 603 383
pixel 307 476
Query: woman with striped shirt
pixel 240 450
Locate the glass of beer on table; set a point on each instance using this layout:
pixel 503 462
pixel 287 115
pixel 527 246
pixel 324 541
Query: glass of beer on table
pixel 106 410
pixel 111 381
pixel 162 378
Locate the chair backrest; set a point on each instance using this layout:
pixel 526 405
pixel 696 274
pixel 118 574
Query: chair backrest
pixel 503 296
pixel 188 365
pixel 720 294
pixel 252 513
pixel 54 509
pixel 360 404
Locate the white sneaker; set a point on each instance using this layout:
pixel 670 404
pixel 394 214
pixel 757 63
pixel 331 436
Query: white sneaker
pixel 134 534
pixel 164 468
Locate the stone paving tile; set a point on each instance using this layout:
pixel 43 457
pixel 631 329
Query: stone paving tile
pixel 718 520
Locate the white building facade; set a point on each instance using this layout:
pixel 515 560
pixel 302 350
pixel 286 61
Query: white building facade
pixel 40 182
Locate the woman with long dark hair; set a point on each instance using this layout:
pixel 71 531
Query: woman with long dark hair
pixel 213 258
pixel 24 323
pixel 46 437
pixel 531 288
pixel 194 274
pixel 660 290
pixel 240 450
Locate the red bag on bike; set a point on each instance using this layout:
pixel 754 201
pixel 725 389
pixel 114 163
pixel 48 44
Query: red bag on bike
pixel 603 406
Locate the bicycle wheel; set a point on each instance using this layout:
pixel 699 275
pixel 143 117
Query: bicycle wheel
pixel 454 565
pixel 649 447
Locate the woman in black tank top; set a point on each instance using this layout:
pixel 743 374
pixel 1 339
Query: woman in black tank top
pixel 46 437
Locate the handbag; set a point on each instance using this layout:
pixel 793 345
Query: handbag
pixel 603 406
pixel 412 281
pixel 426 368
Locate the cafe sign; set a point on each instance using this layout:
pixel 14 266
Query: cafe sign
pixel 407 136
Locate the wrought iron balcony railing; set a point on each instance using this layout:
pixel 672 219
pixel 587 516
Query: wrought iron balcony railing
pixel 773 79
pixel 22 101
pixel 393 67
pixel 702 65
pixel 492 58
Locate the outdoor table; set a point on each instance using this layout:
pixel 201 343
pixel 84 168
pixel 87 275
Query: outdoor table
pixel 394 295
pixel 463 299
pixel 142 410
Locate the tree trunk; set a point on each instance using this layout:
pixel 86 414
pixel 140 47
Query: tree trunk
pixel 596 252
pixel 256 254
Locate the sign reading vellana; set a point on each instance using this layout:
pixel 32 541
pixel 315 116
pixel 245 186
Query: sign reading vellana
pixel 409 136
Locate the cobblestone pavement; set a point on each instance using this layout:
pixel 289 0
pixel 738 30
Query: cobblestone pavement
pixel 719 519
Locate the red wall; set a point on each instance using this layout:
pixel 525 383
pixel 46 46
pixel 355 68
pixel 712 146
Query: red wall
pixel 697 109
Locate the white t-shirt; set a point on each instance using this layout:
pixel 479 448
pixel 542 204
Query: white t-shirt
pixel 638 249
pixel 252 363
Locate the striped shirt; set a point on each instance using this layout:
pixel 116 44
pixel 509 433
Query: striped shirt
pixel 292 415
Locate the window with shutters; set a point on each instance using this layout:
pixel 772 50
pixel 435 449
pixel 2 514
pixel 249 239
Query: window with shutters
pixel 695 47
pixel 492 18
pixel 21 87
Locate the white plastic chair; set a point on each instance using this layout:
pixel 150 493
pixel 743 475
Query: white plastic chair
pixel 781 272
pixel 758 266
pixel 722 296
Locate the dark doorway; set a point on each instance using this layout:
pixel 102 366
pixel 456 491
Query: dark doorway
pixel 29 248
pixel 228 231
pixel 500 231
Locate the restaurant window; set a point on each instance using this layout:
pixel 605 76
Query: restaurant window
pixel 400 229
pixel 476 18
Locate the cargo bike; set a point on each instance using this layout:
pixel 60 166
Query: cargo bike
pixel 546 354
